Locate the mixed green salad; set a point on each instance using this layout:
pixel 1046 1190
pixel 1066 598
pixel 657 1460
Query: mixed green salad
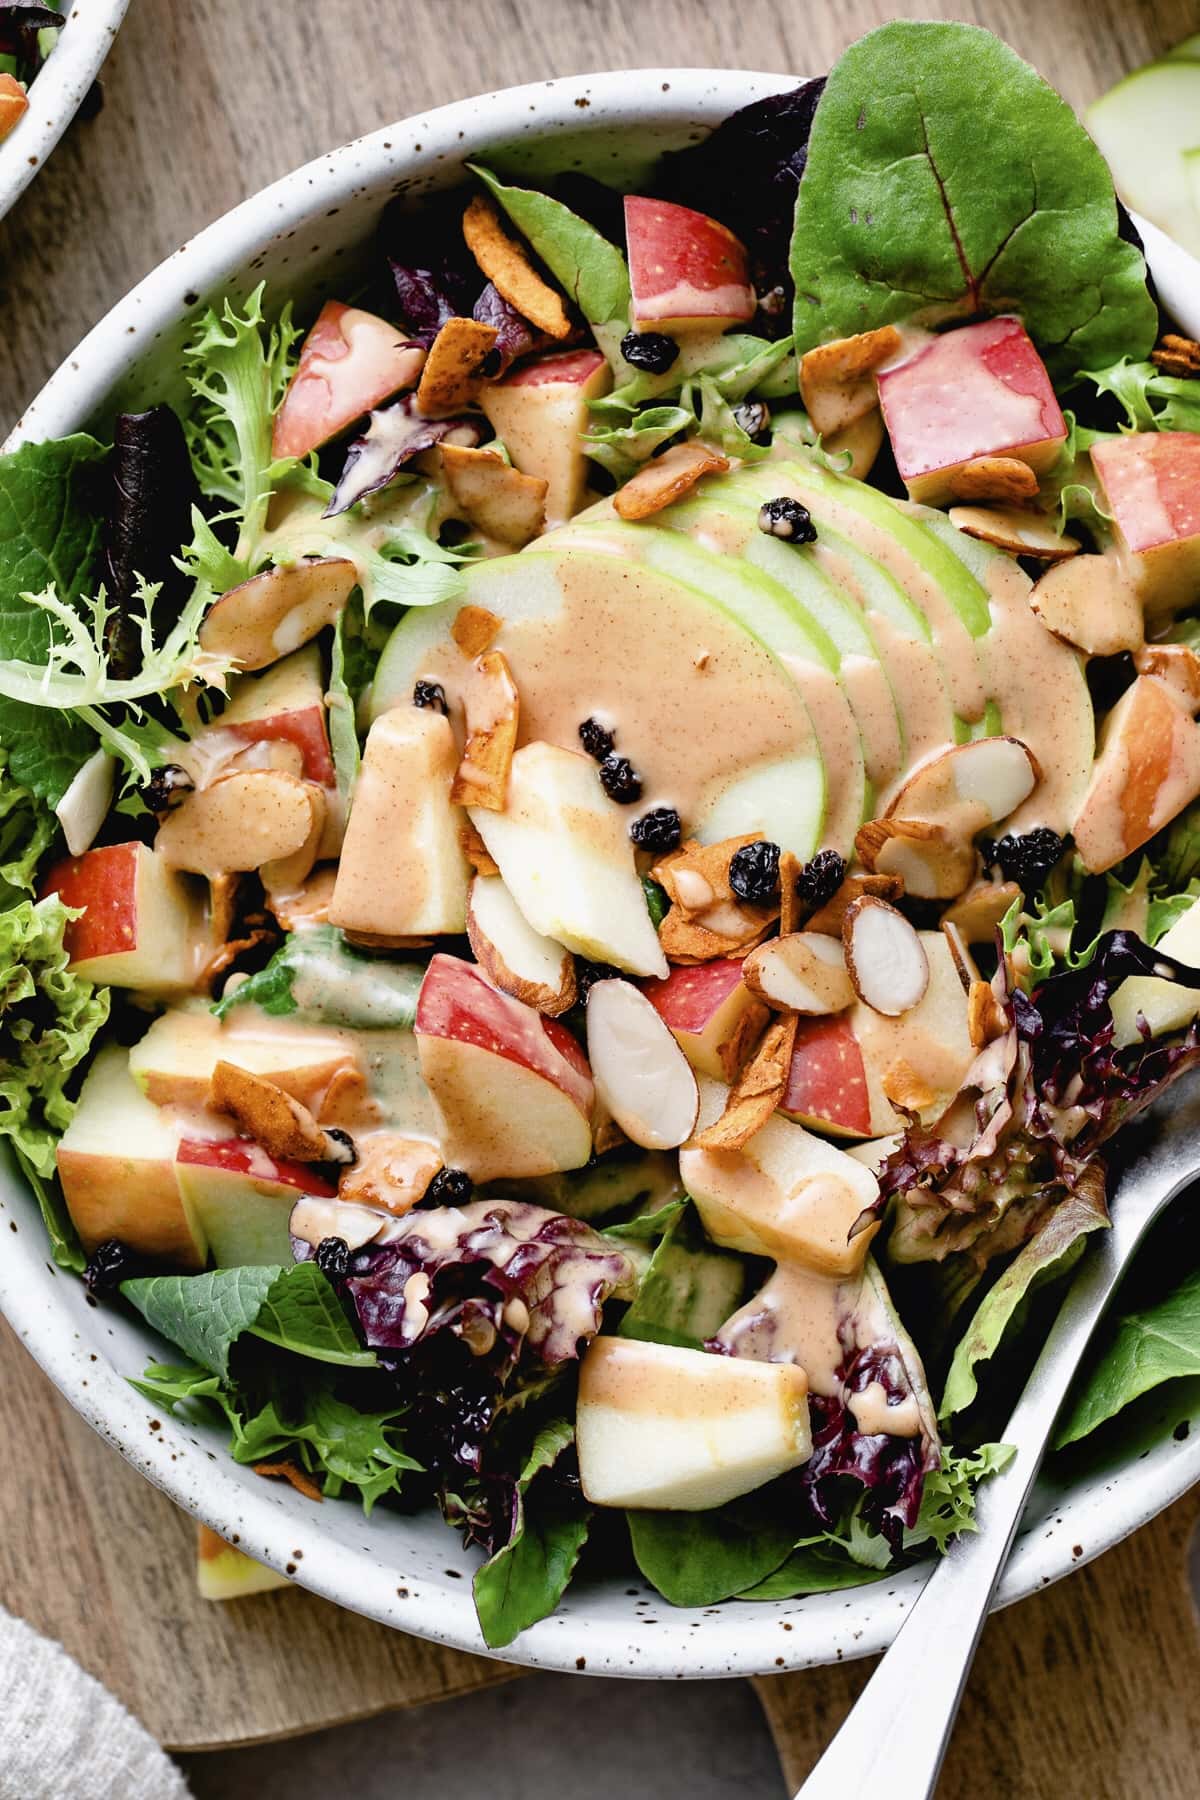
pixel 596 838
pixel 28 33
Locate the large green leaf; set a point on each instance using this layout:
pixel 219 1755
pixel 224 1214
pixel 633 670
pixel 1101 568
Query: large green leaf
pixel 699 1558
pixel 1160 1343
pixel 205 1315
pixel 525 1580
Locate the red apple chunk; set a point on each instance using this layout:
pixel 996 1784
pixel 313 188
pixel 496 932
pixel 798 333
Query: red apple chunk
pixel 350 362
pixel 687 271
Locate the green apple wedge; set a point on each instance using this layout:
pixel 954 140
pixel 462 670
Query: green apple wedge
pixel 704 709
pixel 1188 51
pixel 1143 125
pixel 771 612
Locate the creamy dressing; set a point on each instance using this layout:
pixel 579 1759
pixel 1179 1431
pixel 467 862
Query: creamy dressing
pixel 797 1316
pixel 874 1411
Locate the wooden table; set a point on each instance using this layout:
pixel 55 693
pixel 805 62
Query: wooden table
pixel 1088 1690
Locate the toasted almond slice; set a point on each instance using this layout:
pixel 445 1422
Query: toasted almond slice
pixel 241 822
pixel 222 905
pixel 345 1100
pixel 392 1172
pixel 969 786
pixel 687 941
pixel 1092 603
pixel 450 379
pixel 506 264
pixel 666 478
pixel 861 441
pixel 1003 478
pixel 789 898
pixel 985 1015
pixel 1011 528
pixel 906 1087
pixel 493 495
pixel 836 380
pixel 696 876
pixel 474 628
pixel 1175 664
pixel 930 863
pixel 514 957
pixel 284 1128
pixel 758 1090
pixel 287 874
pixel 476 851
pixel 828 918
pixel 493 710
pixel 885 957
pixel 965 966
pixel 977 913
pixel 309 903
pixel 641 1074
pixel 803 972
pixel 607 1135
pixel 264 618
pixel 385 940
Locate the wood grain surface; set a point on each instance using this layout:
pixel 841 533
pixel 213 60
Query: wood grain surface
pixel 1086 1692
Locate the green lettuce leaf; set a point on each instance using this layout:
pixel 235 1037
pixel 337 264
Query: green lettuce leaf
pixel 1159 1343
pixel 581 260
pixel 525 1580
pixel 26 830
pixel 1151 400
pixel 948 1502
pixel 820 1568
pixel 945 178
pixel 339 985
pixel 689 1289
pixel 700 1558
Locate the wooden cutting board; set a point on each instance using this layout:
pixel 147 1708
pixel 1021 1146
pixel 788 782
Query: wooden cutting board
pixel 1086 1692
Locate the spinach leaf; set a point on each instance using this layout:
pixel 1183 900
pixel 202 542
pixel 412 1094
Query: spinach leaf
pixel 688 1290
pixel 697 1559
pixel 338 985
pixel 1160 1343
pixel 818 1568
pixel 206 1315
pixel 51 519
pixel 525 1580
pixel 944 178
pixel 1048 1255
pixel 646 1227
pixel 591 269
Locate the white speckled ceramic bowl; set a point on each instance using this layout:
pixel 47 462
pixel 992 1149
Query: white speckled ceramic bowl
pixel 303 235
pixel 58 92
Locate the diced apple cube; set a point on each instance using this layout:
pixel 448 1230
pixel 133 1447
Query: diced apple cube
pixel 1160 1006
pixel 563 849
pixel 286 703
pixel 173 1063
pixel 1147 771
pixel 512 1089
pixel 350 362
pixel 711 1013
pixel 684 1430
pixel 979 391
pixel 142 923
pixel 402 871
pixel 242 1198
pixel 541 413
pixel 223 1572
pixel 687 271
pixel 116 1163
pixel 1151 483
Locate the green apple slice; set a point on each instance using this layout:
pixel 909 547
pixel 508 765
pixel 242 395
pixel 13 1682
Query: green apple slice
pixel 805 649
pixel 1191 171
pixel 1188 51
pixel 702 706
pixel 1143 125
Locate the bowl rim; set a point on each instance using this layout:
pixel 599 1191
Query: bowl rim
pixel 57 92
pixel 274 1526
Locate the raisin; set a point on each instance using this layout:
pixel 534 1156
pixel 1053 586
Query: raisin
pixel 167 788
pixel 820 879
pixel 620 780
pixel 587 974
pixel 432 694
pixel 754 418
pixel 596 740
pixel 1027 860
pixel 111 1263
pixel 754 871
pixel 450 1187
pixel 333 1258
pixel 657 830
pixel 786 518
pixel 342 1149
pixel 649 350
pixel 452 532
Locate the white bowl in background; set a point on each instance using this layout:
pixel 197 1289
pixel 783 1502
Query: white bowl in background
pixel 58 91
pixel 305 234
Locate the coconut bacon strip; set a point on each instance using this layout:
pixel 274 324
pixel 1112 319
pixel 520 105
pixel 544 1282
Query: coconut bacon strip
pixel 758 1090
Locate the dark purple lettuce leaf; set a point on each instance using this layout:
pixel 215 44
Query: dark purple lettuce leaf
pixel 747 174
pixel 19 27
pixel 435 276
pixel 149 517
pixel 394 435
pixel 515 336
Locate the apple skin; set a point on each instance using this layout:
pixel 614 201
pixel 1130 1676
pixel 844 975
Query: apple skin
pixel 174 1061
pixel 540 411
pixel 687 271
pixel 1147 771
pixel 711 1014
pixel 827 1083
pixel 14 104
pixel 981 390
pixel 350 361
pixel 242 1198
pixel 513 1090
pixel 141 924
pixel 285 703
pixel 1151 482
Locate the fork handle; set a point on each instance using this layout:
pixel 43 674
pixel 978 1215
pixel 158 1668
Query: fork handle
pixel 897 1733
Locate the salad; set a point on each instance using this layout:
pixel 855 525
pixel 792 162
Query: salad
pixel 28 33
pixel 596 838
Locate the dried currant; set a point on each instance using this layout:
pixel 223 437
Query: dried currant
pixel 651 351
pixel 596 739
pixel 620 780
pixel 587 974
pixel 820 878
pixel 754 418
pixel 1026 859
pixel 450 1187
pixel 660 829
pixel 333 1258
pixel 786 518
pixel 754 871
pixel 431 694
pixel 167 788
pixel 111 1263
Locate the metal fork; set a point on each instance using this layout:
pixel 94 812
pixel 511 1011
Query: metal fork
pixel 897 1734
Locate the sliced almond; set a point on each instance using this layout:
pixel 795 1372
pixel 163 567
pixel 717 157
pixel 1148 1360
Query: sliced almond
pixel 385 940
pixel 392 1172
pixel 476 851
pixel 969 787
pixel 965 966
pixel 1092 603
pixel 641 1074
pixel 836 382
pixel 309 903
pixel 829 918
pixel 1175 664
pixel 346 1100
pixel 666 478
pixel 906 1088
pixel 977 913
pixel 241 822
pixel 1003 478
pixel 931 864
pixel 474 629
pixel 885 957
pixel 287 874
pixel 273 613
pixel 758 1090
pixel 789 898
pixel 607 1135
pixel 223 893
pixel 1011 528
pixel 514 957
pixel 493 495
pixel 507 266
pixel 451 376
pixel 493 710
pixel 803 972
pixel 985 1016
pixel 281 1125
